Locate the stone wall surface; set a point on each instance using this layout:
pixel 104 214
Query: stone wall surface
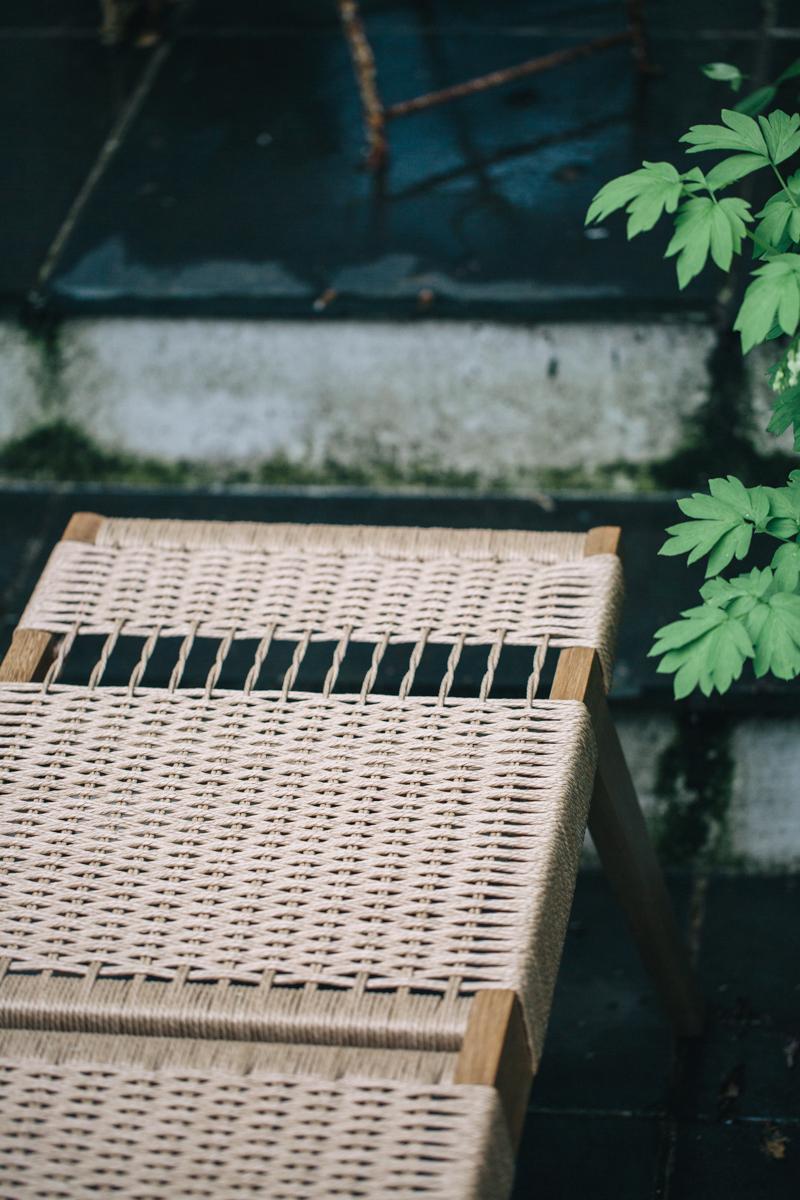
pixel 513 405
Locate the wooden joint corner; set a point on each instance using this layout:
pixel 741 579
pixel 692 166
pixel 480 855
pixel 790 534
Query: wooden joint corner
pixel 603 539
pixel 82 527
pixel 28 657
pixel 496 1053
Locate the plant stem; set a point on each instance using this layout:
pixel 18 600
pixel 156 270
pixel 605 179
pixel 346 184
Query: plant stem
pixel 783 184
pixel 762 247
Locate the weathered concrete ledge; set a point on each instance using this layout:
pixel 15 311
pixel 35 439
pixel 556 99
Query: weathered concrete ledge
pixel 546 405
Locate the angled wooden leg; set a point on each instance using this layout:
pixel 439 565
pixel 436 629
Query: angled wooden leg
pixel 626 852
pixel 620 836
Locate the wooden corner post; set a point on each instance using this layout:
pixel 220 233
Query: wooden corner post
pixel 620 835
pixel 495 1052
pixel 32 650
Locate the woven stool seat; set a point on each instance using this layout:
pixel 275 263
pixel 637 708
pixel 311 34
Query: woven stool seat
pixel 146 1118
pixel 301 941
pixel 214 579
pixel 391 845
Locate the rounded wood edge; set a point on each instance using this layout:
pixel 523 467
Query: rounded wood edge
pixel 28 656
pixel 496 1052
pixel 82 527
pixel 603 539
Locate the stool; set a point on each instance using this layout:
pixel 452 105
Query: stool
pixel 313 918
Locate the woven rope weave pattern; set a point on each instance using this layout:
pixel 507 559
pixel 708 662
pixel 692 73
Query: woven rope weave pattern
pixel 175 1054
pixel 386 540
pixel 383 845
pixel 301 590
pixel 71 1123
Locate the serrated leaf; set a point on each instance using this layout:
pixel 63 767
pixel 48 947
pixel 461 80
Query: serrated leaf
pixel 786 565
pixel 723 72
pixel 784 512
pixel 731 169
pixel 781 133
pixel 777 645
pixel 644 194
pixel 738 133
pixel 770 296
pixel 751 585
pixel 757 101
pixel 707 648
pixel 775 215
pixel 692 238
pixel 704 225
pixel 786 412
pixel 721 523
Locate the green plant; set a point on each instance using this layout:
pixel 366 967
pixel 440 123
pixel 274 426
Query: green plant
pixel 753 616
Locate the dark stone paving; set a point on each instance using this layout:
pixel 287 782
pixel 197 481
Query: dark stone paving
pixel 237 186
pixel 617 1110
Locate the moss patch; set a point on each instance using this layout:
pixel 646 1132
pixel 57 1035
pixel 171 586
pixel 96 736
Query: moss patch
pixel 693 784
pixel 60 451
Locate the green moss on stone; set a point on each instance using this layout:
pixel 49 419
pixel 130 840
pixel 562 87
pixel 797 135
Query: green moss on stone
pixel 60 451
pixel 693 784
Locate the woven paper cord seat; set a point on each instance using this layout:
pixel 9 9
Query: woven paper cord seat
pixel 146 1118
pixel 322 582
pixel 383 846
pixel 285 942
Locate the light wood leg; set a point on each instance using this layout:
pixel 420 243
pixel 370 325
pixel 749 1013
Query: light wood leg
pixel 626 852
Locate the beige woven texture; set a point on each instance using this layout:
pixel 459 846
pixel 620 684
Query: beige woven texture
pixel 387 845
pixel 125 1117
pixel 321 582
pixel 248 925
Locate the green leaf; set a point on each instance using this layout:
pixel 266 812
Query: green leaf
pixel 791 72
pixel 738 133
pixel 776 625
pixel 786 412
pixel 786 565
pixel 781 134
pixel 644 194
pixel 730 169
pixel 721 523
pixel 772 294
pixel 750 586
pixel 724 73
pixel 703 224
pixel 757 101
pixel 775 215
pixel 754 615
pixel 707 648
pixel 784 512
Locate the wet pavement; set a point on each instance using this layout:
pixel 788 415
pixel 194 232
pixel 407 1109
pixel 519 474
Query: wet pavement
pixel 221 172
pixel 618 1110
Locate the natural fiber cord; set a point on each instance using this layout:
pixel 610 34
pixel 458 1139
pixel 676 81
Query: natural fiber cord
pixel 173 578
pixel 81 1118
pixel 387 845
pixel 241 931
